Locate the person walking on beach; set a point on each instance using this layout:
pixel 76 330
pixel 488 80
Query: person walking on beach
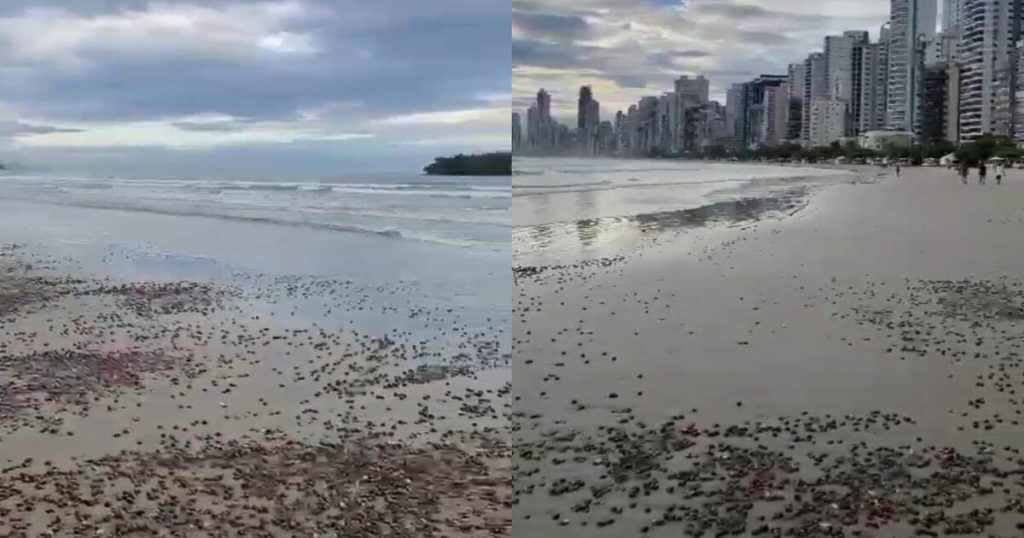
pixel 981 173
pixel 964 169
pixel 1000 170
pixel 897 169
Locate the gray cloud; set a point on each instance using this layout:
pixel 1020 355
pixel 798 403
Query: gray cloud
pixel 734 11
pixel 644 44
pixel 24 128
pixel 557 26
pixel 265 60
pixel 206 127
pixel 630 81
pixel 17 128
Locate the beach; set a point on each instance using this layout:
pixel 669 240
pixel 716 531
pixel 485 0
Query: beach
pixel 833 356
pixel 217 358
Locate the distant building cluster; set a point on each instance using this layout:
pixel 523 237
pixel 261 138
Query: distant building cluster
pixel 915 83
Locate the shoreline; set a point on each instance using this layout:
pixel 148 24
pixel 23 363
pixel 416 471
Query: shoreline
pixel 847 369
pixel 680 206
pixel 201 380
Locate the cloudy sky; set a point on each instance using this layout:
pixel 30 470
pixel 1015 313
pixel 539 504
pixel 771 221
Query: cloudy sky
pixel 235 87
pixel 629 48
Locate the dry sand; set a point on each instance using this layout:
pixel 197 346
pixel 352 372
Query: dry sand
pixel 850 369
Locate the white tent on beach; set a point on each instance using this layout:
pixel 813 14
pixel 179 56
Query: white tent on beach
pixel 948 160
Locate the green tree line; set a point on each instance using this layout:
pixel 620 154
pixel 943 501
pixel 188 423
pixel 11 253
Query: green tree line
pixel 487 164
pixel 984 148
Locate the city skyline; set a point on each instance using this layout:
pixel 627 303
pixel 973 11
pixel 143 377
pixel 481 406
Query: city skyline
pixel 913 83
pixel 242 87
pixel 626 50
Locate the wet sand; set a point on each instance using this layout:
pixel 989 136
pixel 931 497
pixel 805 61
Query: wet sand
pixel 849 366
pixel 198 408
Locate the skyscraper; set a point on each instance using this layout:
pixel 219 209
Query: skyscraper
pixel 592 125
pixel 543 106
pixel 838 60
pixel 873 87
pixel 1018 112
pixel 796 99
pixel 854 109
pixel 815 88
pixel 735 111
pixel 540 130
pixel 910 21
pixel 827 122
pixel 517 132
pixel 753 126
pixel 586 96
pixel 950 14
pixel 935 104
pixel 532 128
pixel 775 120
pixel 989 32
pixel 692 90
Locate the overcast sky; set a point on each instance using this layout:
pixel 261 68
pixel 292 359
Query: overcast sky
pixel 276 87
pixel 629 48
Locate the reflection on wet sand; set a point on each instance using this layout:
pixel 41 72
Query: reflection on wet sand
pixel 590 233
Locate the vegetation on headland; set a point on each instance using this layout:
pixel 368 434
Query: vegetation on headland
pixel 487 164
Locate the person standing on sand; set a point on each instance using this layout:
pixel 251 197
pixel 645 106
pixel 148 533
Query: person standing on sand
pixel 981 173
pixel 964 169
pixel 897 169
pixel 1000 170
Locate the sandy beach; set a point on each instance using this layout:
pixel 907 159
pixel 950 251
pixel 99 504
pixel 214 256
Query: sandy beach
pixel 847 364
pixel 174 374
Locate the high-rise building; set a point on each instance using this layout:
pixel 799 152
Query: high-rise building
pixel 543 106
pixel 953 102
pixel 605 138
pixel 704 126
pixel 796 99
pixel 541 131
pixel 945 47
pixel 1018 111
pixel 839 66
pixel 827 121
pixel 588 119
pixel 517 132
pixel 735 112
pixel 873 86
pixel 621 130
pixel 854 109
pixel 532 128
pixel 950 14
pixel 775 122
pixel 689 93
pixel 593 124
pixel 755 118
pixel 665 130
pixel 934 106
pixel 692 91
pixel 910 21
pixel 843 66
pixel 583 106
pixel 989 33
pixel 647 112
pixel 815 88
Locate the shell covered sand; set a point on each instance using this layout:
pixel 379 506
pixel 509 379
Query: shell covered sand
pixel 198 409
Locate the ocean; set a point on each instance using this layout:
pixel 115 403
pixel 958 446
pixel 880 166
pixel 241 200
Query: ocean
pixel 568 209
pixel 438 244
